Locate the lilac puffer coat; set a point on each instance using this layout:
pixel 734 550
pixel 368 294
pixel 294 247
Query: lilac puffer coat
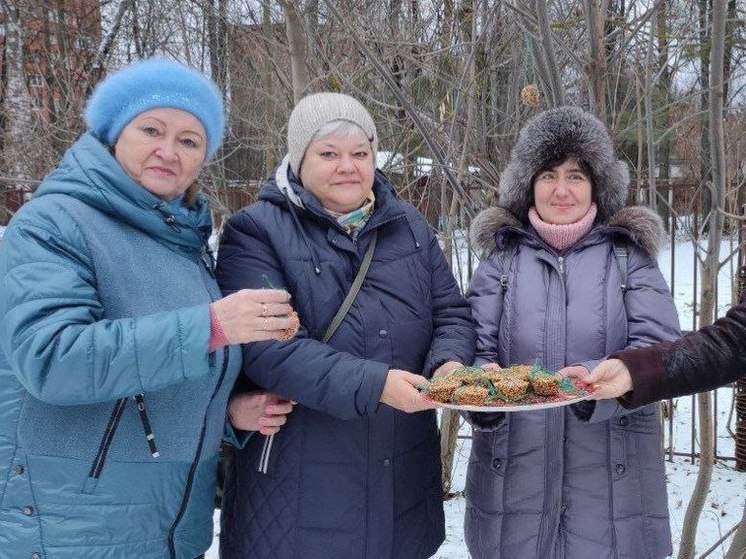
pixel 579 482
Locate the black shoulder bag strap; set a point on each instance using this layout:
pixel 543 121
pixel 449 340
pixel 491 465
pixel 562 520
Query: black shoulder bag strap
pixel 621 253
pixel 507 255
pixel 354 290
pixel 333 325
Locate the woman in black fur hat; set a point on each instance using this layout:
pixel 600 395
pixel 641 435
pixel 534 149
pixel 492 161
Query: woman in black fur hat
pixel 569 276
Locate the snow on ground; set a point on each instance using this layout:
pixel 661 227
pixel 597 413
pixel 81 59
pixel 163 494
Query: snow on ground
pixel 725 500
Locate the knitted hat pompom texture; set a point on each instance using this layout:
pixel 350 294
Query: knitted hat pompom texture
pixel 316 110
pixel 155 83
pixel 552 136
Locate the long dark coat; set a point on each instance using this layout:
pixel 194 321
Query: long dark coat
pixel 347 477
pixel 701 361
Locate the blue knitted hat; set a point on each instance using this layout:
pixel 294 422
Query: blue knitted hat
pixel 149 84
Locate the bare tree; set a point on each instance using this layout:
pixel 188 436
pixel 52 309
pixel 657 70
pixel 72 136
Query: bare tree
pixel 18 104
pixel 595 14
pixel 298 49
pixel 710 269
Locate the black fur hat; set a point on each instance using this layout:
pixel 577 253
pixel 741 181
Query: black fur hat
pixel 548 139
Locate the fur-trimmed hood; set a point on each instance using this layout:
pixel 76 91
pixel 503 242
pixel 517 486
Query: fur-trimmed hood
pixel 644 226
pixel 552 136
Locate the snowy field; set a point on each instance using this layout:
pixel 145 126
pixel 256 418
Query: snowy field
pixel 725 501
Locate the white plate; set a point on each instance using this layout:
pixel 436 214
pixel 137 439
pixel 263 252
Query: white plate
pixel 514 407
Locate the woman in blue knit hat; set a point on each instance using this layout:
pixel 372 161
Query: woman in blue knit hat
pixel 116 355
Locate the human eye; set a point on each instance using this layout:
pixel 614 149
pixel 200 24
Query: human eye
pixel 361 154
pixel 190 143
pixel 150 130
pixel 546 176
pixel 328 154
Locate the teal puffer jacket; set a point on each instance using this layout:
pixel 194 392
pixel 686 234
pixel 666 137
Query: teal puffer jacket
pixel 104 331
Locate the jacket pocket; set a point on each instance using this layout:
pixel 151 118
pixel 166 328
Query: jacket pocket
pixel 111 428
pixel 103 447
pixel 487 466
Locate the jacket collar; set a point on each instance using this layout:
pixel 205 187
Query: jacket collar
pixel 640 225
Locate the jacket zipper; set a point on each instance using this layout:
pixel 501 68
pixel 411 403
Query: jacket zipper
pixel 198 454
pixel 111 428
pixel 561 260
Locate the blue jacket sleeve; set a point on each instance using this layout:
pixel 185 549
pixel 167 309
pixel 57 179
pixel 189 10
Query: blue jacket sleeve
pixel 453 330
pixel 303 369
pixel 651 318
pixel 53 333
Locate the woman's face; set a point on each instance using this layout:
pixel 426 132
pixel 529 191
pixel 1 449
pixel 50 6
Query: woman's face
pixel 563 194
pixel 163 150
pixel 338 169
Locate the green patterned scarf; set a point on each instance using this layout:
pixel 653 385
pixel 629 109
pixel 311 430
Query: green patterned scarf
pixel 353 221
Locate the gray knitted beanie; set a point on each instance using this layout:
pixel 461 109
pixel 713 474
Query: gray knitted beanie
pixel 314 111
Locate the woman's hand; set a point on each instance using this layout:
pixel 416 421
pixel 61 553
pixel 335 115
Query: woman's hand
pixel 252 315
pixel 574 371
pixel 447 368
pixel 400 391
pixel 259 411
pixel 609 379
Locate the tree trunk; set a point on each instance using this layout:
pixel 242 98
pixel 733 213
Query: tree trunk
pixel 595 15
pixel 18 106
pixel 709 279
pixel 737 549
pixel 553 77
pixel 649 122
pixel 738 545
pixel 297 48
pixel 664 96
pixel 705 166
pixel 216 17
pixel 107 43
pixel 450 419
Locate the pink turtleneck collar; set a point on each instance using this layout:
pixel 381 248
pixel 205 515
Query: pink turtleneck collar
pixel 561 237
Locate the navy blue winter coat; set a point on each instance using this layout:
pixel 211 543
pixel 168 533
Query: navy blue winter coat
pixel 347 477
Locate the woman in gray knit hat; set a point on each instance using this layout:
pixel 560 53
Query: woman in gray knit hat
pixel 355 473
pixel 585 481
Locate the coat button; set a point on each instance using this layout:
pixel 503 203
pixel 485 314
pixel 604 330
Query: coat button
pixel 386 462
pixel 383 333
pixel 19 469
pixel 620 469
pixel 624 421
pixel 36 556
pixel 497 463
pixel 28 510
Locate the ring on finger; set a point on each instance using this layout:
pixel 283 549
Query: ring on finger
pixel 265 312
pixel 266 324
